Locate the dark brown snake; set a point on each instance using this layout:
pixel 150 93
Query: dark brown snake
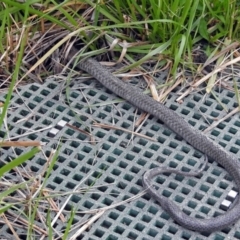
pixel 177 124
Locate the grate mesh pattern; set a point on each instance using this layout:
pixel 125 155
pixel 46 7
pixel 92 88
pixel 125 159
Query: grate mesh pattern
pixel 111 166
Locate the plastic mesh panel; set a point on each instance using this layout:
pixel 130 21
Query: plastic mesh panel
pixel 111 166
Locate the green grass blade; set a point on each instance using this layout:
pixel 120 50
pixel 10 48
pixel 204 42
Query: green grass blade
pixel 50 229
pixel 51 165
pixel 179 53
pixel 69 224
pixel 19 160
pixel 23 6
pixel 5 208
pixel 236 92
pixel 12 189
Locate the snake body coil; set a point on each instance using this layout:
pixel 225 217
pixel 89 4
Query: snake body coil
pixel 181 128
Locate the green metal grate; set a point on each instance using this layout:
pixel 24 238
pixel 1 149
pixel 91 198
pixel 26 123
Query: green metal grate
pixel 112 168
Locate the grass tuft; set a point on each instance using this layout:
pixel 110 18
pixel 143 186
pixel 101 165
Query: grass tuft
pixel 181 36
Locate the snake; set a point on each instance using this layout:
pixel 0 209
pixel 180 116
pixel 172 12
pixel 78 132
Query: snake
pixel 182 128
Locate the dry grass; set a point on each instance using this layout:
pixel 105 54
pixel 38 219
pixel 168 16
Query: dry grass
pixel 37 46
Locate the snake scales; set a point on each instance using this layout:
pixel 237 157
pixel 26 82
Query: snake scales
pixel 181 128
